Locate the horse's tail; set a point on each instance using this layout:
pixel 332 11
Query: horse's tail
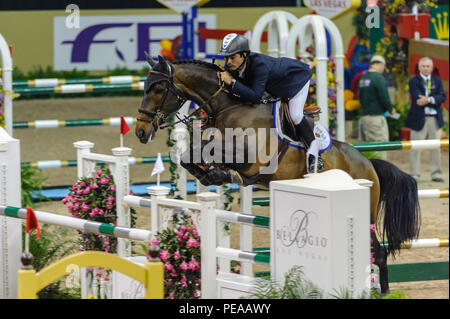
pixel 399 200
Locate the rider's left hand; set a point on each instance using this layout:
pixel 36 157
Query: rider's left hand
pixel 226 77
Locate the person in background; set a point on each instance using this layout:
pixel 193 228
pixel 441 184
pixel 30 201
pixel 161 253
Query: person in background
pixel 375 102
pixel 425 116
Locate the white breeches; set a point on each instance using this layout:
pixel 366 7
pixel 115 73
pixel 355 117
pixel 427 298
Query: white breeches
pixel 297 103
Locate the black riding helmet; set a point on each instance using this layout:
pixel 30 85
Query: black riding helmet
pixel 233 43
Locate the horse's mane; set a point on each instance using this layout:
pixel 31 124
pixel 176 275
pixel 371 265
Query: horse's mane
pixel 208 65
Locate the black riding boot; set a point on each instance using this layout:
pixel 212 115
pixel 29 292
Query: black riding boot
pixel 305 134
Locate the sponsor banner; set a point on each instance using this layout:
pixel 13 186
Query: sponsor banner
pixel 107 42
pixel 332 8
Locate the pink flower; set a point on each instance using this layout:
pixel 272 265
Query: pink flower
pixel 84 207
pixel 82 184
pixel 184 266
pixel 104 180
pixel 168 266
pixel 183 281
pixel 164 254
pixel 177 255
pixel 94 186
pixel 193 243
pixel 193 264
pixel 131 192
pixel 372 228
pixel 113 188
pixel 155 241
pixel 173 273
pixel 100 171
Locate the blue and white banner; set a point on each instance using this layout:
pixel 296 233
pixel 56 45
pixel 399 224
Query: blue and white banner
pixel 106 42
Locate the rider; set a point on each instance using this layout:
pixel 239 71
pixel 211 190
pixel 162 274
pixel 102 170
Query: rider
pixel 249 74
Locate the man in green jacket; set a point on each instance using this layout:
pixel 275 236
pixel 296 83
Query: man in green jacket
pixel 374 99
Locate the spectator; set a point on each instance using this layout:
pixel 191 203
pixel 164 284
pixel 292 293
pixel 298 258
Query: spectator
pixel 374 99
pixel 425 116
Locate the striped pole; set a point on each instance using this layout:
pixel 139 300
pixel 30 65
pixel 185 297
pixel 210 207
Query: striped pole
pixel 423 243
pixel 137 201
pixel 423 193
pixel 245 256
pixel 73 163
pixel 111 121
pixel 401 145
pixel 94 80
pixel 433 193
pixel 80 88
pixel 240 218
pixel 80 224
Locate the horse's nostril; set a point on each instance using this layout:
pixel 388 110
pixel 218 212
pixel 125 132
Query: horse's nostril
pixel 140 133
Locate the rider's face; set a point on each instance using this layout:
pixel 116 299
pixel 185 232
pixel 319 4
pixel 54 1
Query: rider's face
pixel 234 61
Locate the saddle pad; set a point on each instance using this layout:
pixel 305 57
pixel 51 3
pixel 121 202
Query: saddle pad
pixel 321 133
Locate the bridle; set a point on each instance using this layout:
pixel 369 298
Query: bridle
pixel 158 114
pixel 181 99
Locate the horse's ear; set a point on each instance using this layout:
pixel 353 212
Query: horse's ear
pixel 149 59
pixel 163 63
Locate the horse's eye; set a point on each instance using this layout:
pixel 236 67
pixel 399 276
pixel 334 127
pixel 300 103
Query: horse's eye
pixel 158 89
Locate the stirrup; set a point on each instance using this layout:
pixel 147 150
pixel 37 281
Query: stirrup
pixel 310 163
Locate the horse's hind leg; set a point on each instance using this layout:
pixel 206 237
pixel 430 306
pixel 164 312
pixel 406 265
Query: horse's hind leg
pixel 380 255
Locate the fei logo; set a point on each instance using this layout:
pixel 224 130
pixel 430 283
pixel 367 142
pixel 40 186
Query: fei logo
pixel 107 42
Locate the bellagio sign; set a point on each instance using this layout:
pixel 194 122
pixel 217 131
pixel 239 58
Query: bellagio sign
pixel 332 8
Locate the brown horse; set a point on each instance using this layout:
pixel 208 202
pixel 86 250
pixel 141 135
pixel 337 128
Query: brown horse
pixel 168 86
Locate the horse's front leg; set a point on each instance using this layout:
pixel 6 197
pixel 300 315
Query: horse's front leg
pixel 194 168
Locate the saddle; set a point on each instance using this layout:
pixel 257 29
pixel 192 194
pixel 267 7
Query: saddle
pixel 311 113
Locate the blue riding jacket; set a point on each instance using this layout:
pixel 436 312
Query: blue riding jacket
pixel 280 77
pixel 416 115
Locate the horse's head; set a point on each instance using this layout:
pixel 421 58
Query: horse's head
pixel 161 98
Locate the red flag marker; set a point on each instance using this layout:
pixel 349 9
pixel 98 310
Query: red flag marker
pixel 124 128
pixel 32 223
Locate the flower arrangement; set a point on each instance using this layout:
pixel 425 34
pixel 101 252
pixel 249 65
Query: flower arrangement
pixel 395 52
pixel 94 199
pixel 392 8
pixel 180 252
